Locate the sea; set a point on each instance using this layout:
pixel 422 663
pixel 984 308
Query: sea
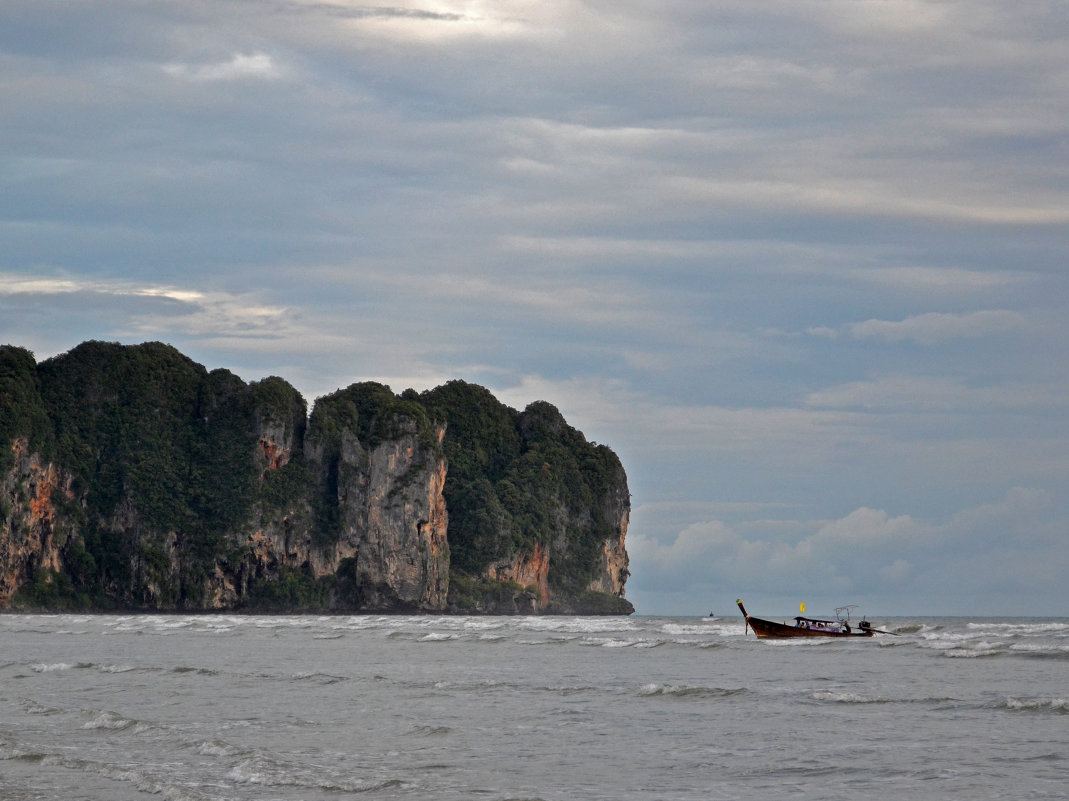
pixel 324 708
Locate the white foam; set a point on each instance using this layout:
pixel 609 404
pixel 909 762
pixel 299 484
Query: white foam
pixel 843 697
pixel 109 720
pixel 217 748
pixel 1036 704
pixel 50 668
pixel 115 668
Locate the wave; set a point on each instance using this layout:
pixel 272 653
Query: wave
pixel 686 691
pixel 973 652
pixel 32 707
pixel 571 690
pixel 141 779
pixel 843 697
pixel 11 752
pixel 469 686
pixel 430 731
pixel 1012 704
pixel 218 748
pixel 1019 628
pixel 198 671
pixel 115 668
pixel 614 642
pixel 579 625
pixel 683 629
pixel 319 678
pixel 53 667
pixel 113 722
pixel 546 641
pixel 267 772
pixel 910 628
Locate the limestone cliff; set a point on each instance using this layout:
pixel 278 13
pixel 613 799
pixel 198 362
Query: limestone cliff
pixel 390 539
pixel 131 477
pixel 32 531
pixel 541 513
pixel 393 521
pixel 613 568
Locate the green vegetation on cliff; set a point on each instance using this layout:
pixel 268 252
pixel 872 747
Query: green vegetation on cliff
pixel 161 451
pixel 175 472
pixel 518 479
pixel 22 410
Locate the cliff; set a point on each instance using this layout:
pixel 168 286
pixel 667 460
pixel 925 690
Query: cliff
pixel 131 477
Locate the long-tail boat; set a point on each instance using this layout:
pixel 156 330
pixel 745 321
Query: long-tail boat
pixel 809 626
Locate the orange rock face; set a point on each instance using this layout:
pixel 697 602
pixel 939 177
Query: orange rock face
pixel 614 562
pixel 27 536
pixel 529 570
pixel 277 456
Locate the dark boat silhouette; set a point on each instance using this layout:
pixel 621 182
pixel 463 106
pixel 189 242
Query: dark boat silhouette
pixel 809 626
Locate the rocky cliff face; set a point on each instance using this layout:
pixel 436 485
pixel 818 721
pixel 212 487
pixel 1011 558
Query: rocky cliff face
pixel 613 572
pixel 32 531
pixel 528 570
pixel 394 521
pixel 392 536
pixel 130 477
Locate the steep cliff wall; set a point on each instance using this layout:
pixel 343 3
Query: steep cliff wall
pixel 541 513
pixel 131 477
pixel 613 571
pixel 393 520
pixel 32 531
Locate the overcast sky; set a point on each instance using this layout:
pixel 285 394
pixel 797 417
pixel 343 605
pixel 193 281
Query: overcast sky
pixel 800 263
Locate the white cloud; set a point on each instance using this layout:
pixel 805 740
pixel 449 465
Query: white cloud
pixel 157 310
pixel 913 393
pixel 868 555
pixel 431 21
pixel 957 280
pixel 241 66
pixel 15 284
pixel 933 327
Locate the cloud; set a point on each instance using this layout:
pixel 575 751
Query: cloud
pixel 714 235
pixel 833 554
pixel 932 328
pixel 15 284
pixel 913 393
pixel 151 311
pixel 868 555
pixel 241 66
pixel 951 280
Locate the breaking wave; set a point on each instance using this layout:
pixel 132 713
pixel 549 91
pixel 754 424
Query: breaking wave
pixel 685 691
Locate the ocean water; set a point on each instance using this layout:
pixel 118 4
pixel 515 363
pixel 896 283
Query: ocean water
pixel 203 707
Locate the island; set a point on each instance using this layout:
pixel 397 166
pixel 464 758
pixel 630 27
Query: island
pixel 133 478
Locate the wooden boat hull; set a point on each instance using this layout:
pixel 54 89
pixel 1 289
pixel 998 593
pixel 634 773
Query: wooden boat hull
pixel 770 630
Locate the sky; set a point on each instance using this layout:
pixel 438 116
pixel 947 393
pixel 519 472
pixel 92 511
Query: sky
pixel 800 263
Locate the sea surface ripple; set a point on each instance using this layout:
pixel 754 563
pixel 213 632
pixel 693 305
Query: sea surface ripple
pixel 225 707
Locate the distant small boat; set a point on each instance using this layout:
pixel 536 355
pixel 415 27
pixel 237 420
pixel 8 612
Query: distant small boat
pixel 809 626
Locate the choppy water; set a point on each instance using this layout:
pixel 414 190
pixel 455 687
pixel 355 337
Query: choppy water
pixel 112 708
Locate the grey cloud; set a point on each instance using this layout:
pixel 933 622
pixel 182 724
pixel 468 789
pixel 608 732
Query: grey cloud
pixel 934 327
pixel 713 234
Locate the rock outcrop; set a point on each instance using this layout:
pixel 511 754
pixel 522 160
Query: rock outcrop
pixel 32 532
pixel 131 477
pixel 394 521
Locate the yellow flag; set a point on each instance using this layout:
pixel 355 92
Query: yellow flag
pixel 801 607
